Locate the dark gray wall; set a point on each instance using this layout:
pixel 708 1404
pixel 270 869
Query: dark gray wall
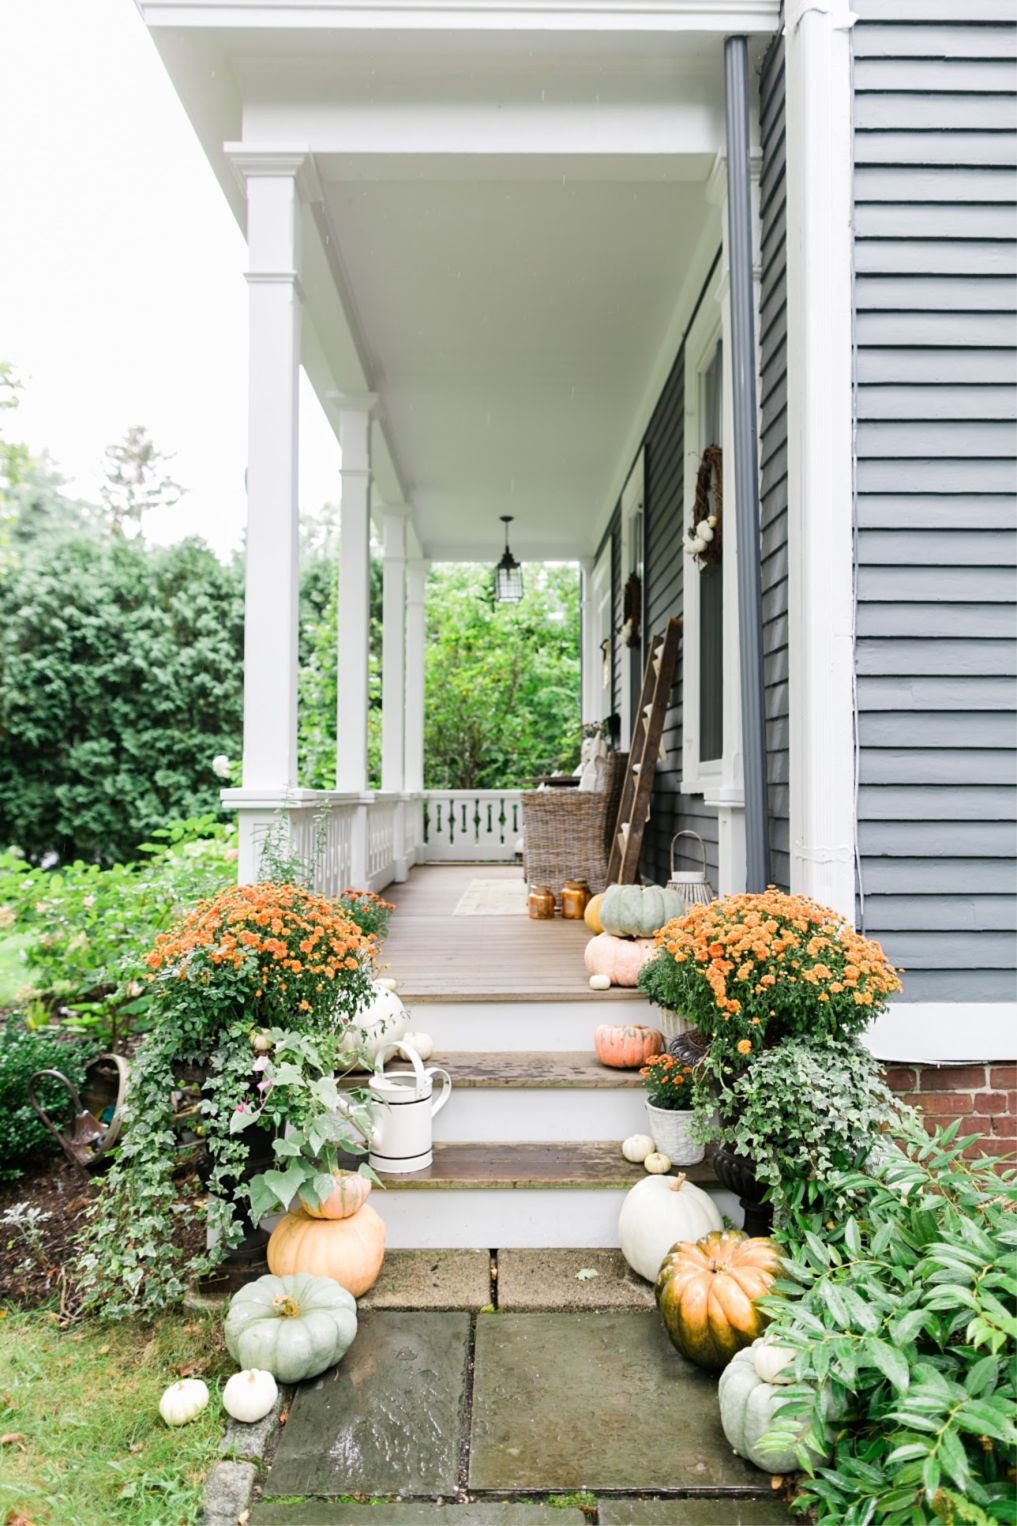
pixel 670 812
pixel 773 452
pixel 935 328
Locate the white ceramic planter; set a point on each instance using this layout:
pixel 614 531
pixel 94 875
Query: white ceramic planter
pixel 671 1023
pixel 671 1131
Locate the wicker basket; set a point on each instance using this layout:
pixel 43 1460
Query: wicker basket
pixel 692 886
pixel 567 833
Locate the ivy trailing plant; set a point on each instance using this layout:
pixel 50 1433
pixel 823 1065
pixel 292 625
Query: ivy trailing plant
pixel 806 1111
pixel 255 959
pixel 899 1307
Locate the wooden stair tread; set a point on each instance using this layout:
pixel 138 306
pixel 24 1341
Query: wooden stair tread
pixel 546 1068
pixel 587 1163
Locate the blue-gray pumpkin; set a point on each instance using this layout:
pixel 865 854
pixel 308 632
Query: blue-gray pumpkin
pixel 638 911
pixel 749 1404
pixel 293 1327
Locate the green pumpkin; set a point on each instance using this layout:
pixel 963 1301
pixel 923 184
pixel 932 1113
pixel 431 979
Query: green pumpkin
pixel 293 1327
pixel 748 1407
pixel 638 911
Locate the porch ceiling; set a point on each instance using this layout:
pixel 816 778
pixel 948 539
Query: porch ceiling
pixel 509 212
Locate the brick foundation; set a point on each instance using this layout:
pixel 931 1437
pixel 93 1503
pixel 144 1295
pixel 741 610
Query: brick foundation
pixel 984 1096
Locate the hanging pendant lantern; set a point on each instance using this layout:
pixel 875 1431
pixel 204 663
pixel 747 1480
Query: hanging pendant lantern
pixel 508 575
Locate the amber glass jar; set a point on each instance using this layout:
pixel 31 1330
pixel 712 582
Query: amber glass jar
pixel 575 897
pixel 541 902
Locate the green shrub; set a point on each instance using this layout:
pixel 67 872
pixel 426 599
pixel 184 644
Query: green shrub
pixel 89 928
pixel 22 1052
pixel 903 1305
pixel 121 677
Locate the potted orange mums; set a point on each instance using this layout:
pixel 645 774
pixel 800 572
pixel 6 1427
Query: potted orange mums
pixel 777 987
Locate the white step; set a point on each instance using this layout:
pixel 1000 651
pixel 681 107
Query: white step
pixel 523 1025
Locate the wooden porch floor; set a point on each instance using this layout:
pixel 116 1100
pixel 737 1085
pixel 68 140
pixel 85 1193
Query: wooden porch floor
pixel 435 955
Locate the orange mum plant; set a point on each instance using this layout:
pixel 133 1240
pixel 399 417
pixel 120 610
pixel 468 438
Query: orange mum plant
pixel 278 954
pixel 750 970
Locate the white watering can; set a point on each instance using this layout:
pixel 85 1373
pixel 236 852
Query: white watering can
pixel 401 1141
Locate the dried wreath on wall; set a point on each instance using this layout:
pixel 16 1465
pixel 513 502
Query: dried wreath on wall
pixel 632 610
pixel 703 539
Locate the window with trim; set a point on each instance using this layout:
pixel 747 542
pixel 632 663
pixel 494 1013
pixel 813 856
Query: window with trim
pixel 711 581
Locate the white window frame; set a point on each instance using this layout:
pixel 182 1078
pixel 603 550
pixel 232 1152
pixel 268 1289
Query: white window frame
pixel 633 498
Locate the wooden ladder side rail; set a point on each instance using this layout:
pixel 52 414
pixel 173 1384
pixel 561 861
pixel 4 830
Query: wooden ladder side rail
pixel 627 796
pixel 637 789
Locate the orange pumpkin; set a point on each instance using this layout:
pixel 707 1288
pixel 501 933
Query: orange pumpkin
pixel 591 915
pixel 626 1048
pixel 350 1194
pixel 350 1251
pixel 620 959
pixel 706 1292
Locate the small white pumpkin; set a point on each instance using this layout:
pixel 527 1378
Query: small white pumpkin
pixel 250 1395
pixel 387 985
pixel 658 1212
pixel 423 1043
pixel 600 982
pixel 657 1164
pixel 183 1401
pixel 773 1363
pixel 637 1147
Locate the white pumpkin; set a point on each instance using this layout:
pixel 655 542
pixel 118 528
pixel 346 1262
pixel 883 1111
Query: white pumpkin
pixel 600 982
pixel 657 1213
pixel 773 1363
pixel 383 1021
pixel 183 1401
pixel 657 1163
pixel 423 1043
pixel 250 1395
pixel 637 1147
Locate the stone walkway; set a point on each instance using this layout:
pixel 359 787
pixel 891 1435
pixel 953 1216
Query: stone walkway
pixel 569 1406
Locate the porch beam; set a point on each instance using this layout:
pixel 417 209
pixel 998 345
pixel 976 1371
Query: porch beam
pixel 746 462
pixel 272 555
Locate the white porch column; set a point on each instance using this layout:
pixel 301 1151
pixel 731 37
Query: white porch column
pixel 593 663
pixel 416 622
pixel 820 550
pixel 272 556
pixel 354 611
pixel 393 673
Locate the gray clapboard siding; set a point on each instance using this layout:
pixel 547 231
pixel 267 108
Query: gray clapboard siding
pixel 773 454
pixel 979 803
pixel 935 256
pixel 664 517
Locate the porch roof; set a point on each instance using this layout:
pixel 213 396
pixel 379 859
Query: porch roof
pixel 505 214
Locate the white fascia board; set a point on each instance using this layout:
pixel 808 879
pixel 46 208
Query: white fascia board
pixel 722 16
pixel 944 1033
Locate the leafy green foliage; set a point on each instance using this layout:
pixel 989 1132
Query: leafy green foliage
pixel 806 1111
pixel 902 1304
pixel 88 929
pixel 120 679
pixel 23 1051
pixel 502 697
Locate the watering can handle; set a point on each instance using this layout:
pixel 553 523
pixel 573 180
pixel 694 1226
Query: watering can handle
pixel 408 1053
pixel 446 1088
pixel 69 1087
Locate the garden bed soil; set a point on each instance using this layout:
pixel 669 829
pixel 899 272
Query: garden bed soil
pixel 31 1277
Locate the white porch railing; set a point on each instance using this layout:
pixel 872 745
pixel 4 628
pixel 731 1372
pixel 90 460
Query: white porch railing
pixel 471 826
pixel 368 841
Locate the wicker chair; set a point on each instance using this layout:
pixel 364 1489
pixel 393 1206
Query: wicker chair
pixel 567 832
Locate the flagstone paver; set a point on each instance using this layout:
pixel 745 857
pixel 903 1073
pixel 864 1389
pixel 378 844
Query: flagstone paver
pixel 553 1279
pixel 594 1401
pixel 419 1513
pixel 696 1512
pixel 431 1279
pixel 387 1420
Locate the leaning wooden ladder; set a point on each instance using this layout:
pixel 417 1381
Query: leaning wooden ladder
pixel 637 788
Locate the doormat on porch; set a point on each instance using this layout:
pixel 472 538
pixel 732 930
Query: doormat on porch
pixel 493 898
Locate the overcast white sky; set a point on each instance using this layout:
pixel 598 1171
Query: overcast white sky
pixel 122 298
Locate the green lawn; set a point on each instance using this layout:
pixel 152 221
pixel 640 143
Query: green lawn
pixel 14 973
pixel 83 1441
